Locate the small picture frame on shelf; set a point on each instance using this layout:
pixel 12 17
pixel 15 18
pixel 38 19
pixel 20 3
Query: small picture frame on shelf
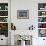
pixel 22 14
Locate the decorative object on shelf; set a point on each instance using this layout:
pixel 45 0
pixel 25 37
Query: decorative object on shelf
pixel 31 27
pixel 41 19
pixel 0 7
pixel 42 32
pixel 3 19
pixel 6 7
pixel 41 8
pixel 13 27
pixel 4 26
pixel 43 13
pixel 40 25
pixel 22 14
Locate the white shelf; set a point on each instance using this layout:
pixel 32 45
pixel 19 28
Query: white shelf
pixel 41 22
pixel 3 10
pixel 3 16
pixel 41 28
pixel 41 10
pixel 42 16
pixel 3 22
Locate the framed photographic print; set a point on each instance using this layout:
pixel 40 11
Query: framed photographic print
pixel 22 14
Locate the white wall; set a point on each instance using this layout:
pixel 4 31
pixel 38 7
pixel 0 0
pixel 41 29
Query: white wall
pixel 23 24
pixel 32 6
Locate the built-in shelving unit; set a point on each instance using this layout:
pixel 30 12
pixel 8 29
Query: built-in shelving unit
pixel 4 19
pixel 42 19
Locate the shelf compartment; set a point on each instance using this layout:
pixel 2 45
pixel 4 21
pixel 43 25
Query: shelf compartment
pixel 3 6
pixel 41 19
pixel 4 29
pixel 42 32
pixel 3 13
pixel 41 6
pixel 41 13
pixel 4 32
pixel 3 19
pixel 3 26
pixel 41 25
